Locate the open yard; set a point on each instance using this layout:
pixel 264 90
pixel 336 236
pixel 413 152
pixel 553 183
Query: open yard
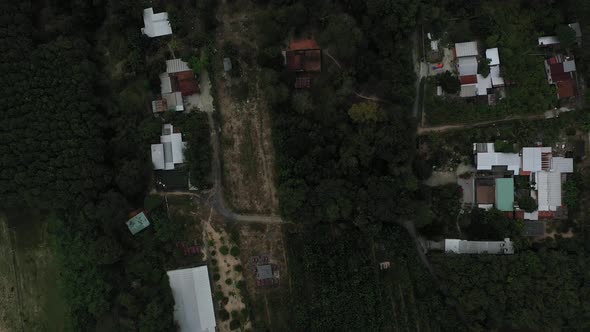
pixel 31 298
pixel 264 244
pixel 247 150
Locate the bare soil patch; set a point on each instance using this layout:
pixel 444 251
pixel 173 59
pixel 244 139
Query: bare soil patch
pixel 247 150
pixel 227 273
pixel 270 304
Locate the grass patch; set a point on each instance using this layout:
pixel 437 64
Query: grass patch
pixel 29 278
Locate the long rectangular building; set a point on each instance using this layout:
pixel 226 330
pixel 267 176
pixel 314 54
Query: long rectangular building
pixel 193 302
pixel 457 246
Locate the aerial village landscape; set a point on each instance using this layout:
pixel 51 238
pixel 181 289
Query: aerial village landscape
pixel 297 166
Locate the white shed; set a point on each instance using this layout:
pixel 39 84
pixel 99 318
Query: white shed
pixel 466 49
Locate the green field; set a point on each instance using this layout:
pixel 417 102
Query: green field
pixel 31 298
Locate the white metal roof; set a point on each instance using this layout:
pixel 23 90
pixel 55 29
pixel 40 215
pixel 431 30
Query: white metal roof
pixel 531 159
pixel 227 64
pixel 155 24
pixel 439 90
pixel 562 165
pixel 548 40
pixel 167 129
pixel 176 66
pixel 434 45
pixel 492 54
pixel 483 84
pixel 486 160
pixel 174 100
pixel 158 156
pixel 478 247
pixel 576 27
pixel 170 151
pixel 173 149
pixel 468 90
pixel 497 79
pixel 165 84
pixel 569 66
pixel 193 303
pixel 548 190
pixel 466 49
pixel 467 66
pixel 531 215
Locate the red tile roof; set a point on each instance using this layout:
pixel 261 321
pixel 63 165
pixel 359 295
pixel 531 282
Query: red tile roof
pixel 185 82
pixel 304 55
pixel 515 214
pixel 303 44
pixel 302 82
pixel 308 60
pixel 556 68
pixel 566 89
pixel 470 79
pixel 546 214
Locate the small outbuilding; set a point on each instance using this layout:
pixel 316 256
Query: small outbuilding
pixel 264 272
pixel 227 64
pixel 138 222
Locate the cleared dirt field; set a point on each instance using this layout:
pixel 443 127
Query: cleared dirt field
pixel 31 298
pixel 247 150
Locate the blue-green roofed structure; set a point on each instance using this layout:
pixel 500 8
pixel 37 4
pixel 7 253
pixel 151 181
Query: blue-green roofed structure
pixel 505 194
pixel 138 223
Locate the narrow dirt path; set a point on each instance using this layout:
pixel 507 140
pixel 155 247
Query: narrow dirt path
pixel 445 128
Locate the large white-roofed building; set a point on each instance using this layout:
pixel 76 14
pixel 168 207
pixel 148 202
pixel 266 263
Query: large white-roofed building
pixel 488 159
pixel 193 302
pixel 155 25
pixel 170 151
pixel 457 246
pixel 546 174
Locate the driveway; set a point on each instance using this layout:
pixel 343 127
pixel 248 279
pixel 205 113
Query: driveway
pixel 447 63
pixel 203 100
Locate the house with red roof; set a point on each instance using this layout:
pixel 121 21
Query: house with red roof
pixel 560 72
pixel 177 82
pixel 303 57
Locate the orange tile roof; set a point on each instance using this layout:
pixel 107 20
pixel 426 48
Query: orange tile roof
pixel 469 79
pixel 303 44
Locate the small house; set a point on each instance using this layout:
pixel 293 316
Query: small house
pixel 560 72
pixel 137 222
pixel 155 25
pixel 303 57
pixel 227 64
